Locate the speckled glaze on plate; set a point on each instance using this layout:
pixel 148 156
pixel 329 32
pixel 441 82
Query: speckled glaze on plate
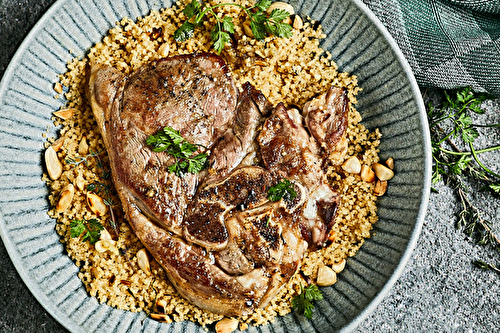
pixel 390 100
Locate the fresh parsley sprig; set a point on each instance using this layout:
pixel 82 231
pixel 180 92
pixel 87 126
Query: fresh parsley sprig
pixel 455 158
pixel 261 22
pixel 304 302
pixel 456 115
pixel 173 143
pixel 282 190
pixel 90 229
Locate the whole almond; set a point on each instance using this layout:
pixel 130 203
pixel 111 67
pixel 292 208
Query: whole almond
pixel 367 174
pixel 143 261
pixel 96 204
pixel 83 147
pixel 65 198
pixel 326 276
pixel 380 188
pixel 226 325
pixel 57 145
pixel 64 113
pixel 54 166
pixel 382 172
pixel 352 165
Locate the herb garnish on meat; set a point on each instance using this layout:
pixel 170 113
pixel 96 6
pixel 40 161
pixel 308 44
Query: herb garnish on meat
pixel 172 142
pixel 283 189
pixel 261 22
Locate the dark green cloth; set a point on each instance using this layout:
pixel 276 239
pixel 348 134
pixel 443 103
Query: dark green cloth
pixel 448 43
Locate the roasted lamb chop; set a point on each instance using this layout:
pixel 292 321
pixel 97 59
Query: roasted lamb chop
pixel 223 243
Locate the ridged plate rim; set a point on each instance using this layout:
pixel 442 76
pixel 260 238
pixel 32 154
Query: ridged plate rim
pixel 71 325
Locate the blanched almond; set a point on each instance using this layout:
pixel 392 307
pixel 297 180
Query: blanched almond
pixel 106 245
pixel 367 174
pixel 339 267
pixel 83 147
pixel 326 276
pixel 164 318
pixel 352 165
pixel 247 29
pixel 100 246
pixel 390 163
pixel 143 261
pixel 382 172
pixel 226 325
pixel 64 113
pixel 65 198
pixel 80 182
pixel 96 204
pixel 164 50
pixel 54 166
pixel 298 23
pixel 57 145
pixel 58 88
pixel 380 188
pixel 105 235
pixel 161 305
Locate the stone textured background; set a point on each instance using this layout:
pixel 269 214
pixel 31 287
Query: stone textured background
pixel 439 291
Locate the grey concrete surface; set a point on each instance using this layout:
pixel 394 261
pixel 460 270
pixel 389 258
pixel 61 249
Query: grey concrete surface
pixel 439 291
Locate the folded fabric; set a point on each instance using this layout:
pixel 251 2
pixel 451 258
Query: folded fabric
pixel 448 43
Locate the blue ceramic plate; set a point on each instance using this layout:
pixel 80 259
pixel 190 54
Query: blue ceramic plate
pixel 390 100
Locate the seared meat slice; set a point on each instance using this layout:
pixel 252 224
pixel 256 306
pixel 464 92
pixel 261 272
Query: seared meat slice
pixel 238 143
pixel 326 119
pixel 193 94
pixel 257 242
pixel 285 145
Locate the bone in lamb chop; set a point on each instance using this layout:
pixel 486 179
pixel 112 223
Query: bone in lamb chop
pixel 223 244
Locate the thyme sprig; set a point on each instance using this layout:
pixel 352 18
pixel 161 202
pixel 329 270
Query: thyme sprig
pixel 261 22
pixel 455 159
pixel 83 159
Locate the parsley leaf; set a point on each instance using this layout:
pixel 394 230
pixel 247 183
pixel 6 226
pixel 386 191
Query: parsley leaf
pixel 263 5
pixel 220 38
pixel 185 32
pixel 303 303
pixel 192 8
pixel 495 188
pixel 282 190
pixel 278 15
pixel 261 23
pixel 90 229
pixel 257 24
pixel 173 143
pixel 227 24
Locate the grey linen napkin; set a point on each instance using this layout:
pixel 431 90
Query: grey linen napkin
pixel 448 43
